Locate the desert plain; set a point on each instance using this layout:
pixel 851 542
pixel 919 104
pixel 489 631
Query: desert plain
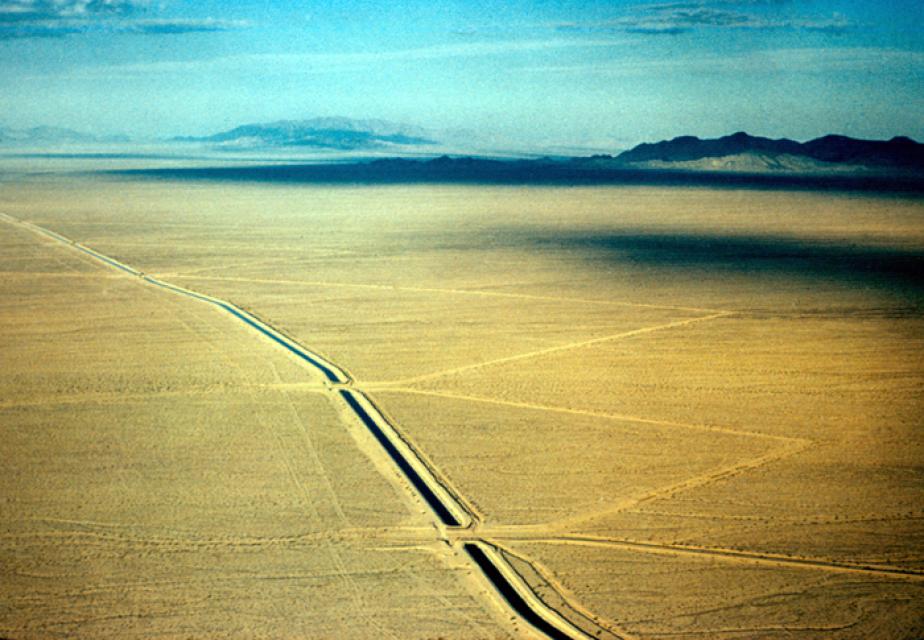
pixel 676 412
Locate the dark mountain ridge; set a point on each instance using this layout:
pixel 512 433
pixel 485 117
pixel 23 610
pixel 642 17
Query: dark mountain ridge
pixel 899 152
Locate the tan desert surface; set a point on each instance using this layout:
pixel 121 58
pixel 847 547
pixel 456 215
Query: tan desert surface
pixel 162 478
pixel 669 412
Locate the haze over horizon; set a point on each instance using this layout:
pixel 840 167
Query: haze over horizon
pixel 594 74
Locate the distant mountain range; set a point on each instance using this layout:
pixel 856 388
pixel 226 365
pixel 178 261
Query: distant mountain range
pixel 339 134
pixel 738 153
pixel 743 152
pixel 55 136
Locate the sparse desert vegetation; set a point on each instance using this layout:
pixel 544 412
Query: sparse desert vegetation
pixel 675 411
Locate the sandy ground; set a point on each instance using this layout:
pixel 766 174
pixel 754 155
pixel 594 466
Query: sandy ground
pixel 678 411
pixel 164 476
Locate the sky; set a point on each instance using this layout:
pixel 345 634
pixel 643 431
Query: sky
pixel 597 73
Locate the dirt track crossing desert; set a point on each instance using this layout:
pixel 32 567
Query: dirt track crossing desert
pixel 682 413
pixel 508 584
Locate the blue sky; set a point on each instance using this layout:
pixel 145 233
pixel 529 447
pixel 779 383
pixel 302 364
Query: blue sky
pixel 598 74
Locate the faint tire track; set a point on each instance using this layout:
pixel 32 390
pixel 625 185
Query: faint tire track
pixel 549 350
pixel 337 380
pixel 730 555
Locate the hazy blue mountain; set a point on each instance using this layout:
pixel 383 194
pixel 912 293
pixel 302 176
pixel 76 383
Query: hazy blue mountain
pixel 53 136
pixel 752 153
pixel 340 134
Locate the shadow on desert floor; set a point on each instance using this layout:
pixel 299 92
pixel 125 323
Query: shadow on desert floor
pixel 899 269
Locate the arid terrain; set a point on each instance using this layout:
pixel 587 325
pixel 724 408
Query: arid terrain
pixel 675 412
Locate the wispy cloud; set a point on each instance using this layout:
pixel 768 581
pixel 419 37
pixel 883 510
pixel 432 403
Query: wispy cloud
pixel 466 32
pixel 693 4
pixel 675 18
pixel 18 11
pixel 321 63
pixel 835 25
pixel 59 18
pixel 793 60
pixel 165 26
